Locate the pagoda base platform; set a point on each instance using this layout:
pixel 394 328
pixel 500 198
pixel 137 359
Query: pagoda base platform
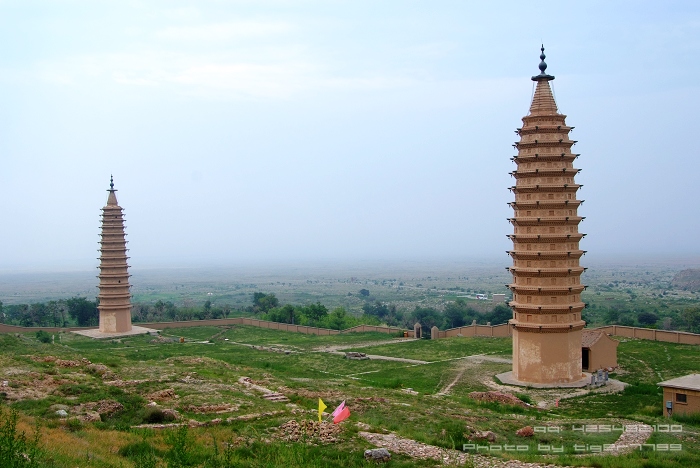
pixel 96 333
pixel 507 379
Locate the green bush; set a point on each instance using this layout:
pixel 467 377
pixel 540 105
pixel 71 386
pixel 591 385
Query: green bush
pixel 42 336
pixel 153 415
pixel 142 454
pixel 15 449
pixel 74 425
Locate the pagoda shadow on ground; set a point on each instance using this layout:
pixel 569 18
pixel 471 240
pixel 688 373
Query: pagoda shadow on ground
pixel 96 333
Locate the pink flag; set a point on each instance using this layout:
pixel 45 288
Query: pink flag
pixel 343 415
pixel 337 411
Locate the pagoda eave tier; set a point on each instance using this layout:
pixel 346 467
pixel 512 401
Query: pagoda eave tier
pixel 546 309
pixel 566 144
pixel 529 157
pixel 545 254
pixel 543 129
pixel 529 271
pixel 547 328
pixel 551 172
pixel 546 221
pixel 545 204
pixel 112 286
pixel 532 118
pixel 545 188
pixel 546 290
pixel 115 308
pixel 545 238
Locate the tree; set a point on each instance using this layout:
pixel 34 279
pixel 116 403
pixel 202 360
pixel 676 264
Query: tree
pixel 159 308
pixel 500 314
pixel 454 314
pixel 428 318
pixel 338 319
pixel 315 312
pixel 377 309
pixel 57 313
pixel 691 318
pixel 364 292
pixel 84 312
pixel 286 314
pixel 647 318
pixel 262 302
pixel 170 310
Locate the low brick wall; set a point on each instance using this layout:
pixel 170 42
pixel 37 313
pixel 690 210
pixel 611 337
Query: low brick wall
pixel 667 336
pixel 502 330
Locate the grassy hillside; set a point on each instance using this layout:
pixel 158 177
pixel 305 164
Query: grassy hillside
pixel 106 387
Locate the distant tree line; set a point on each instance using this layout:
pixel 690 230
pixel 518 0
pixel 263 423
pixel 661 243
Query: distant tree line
pixel 76 311
pixel 456 314
pixel 80 311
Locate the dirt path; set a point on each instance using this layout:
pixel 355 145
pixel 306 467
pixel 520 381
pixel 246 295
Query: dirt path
pixel 415 449
pixel 378 357
pixel 328 349
pixel 634 435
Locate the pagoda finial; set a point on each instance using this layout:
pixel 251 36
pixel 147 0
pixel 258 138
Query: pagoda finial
pixel 543 66
pixel 111 182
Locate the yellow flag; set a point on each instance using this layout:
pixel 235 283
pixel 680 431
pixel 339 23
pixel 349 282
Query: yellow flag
pixel 321 407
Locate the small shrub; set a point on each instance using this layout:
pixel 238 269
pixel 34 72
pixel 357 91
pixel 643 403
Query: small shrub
pixel 687 419
pixel 180 453
pixel 524 397
pixel 42 336
pixel 74 425
pixel 15 449
pixel 153 415
pixel 136 450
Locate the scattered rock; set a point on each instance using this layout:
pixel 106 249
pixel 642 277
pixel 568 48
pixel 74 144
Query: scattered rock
pixel 62 413
pixel 356 355
pixel 67 363
pixel 378 455
pixel 106 407
pixel 171 413
pixel 267 393
pixel 162 395
pixel 498 397
pixel 526 431
pixel 484 435
pixel 210 408
pixel 310 431
pixel 101 370
pixel 90 416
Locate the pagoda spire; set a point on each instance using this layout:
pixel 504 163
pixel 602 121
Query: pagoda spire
pixel 543 101
pixel 114 296
pixel 546 273
pixel 112 197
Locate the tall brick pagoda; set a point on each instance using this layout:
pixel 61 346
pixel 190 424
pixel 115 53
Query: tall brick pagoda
pixel 546 272
pixel 114 296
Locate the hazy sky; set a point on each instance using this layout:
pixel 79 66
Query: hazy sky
pixel 328 130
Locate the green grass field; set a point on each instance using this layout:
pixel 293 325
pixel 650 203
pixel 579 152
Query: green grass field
pixel 199 379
